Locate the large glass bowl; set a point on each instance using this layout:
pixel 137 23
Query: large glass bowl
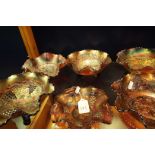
pixel 68 107
pixel 21 93
pixel 136 94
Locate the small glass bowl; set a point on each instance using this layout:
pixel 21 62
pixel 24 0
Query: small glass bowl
pixel 140 60
pixel 88 62
pixel 47 64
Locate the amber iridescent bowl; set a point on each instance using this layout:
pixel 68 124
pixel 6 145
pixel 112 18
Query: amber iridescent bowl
pixel 88 62
pixel 47 64
pixel 80 107
pixel 136 94
pixel 21 93
pixel 140 60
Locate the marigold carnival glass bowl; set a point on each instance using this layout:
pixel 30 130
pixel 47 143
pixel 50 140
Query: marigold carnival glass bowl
pixel 21 93
pixel 47 64
pixel 136 94
pixel 140 60
pixel 88 62
pixel 81 107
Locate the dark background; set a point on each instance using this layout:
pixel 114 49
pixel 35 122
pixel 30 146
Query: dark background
pixel 110 39
pixel 67 39
pixel 12 51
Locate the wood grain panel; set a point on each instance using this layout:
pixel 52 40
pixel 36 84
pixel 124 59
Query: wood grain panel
pixel 29 41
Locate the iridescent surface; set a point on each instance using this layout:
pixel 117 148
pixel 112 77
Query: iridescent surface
pixel 65 110
pixel 89 62
pixel 48 64
pixel 137 59
pixel 22 93
pixel 136 93
pixel 117 123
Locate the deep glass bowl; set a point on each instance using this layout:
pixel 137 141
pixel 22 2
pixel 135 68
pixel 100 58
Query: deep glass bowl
pixel 88 62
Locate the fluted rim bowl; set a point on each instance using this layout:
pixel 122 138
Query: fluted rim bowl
pixel 88 62
pixel 47 64
pixel 140 60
